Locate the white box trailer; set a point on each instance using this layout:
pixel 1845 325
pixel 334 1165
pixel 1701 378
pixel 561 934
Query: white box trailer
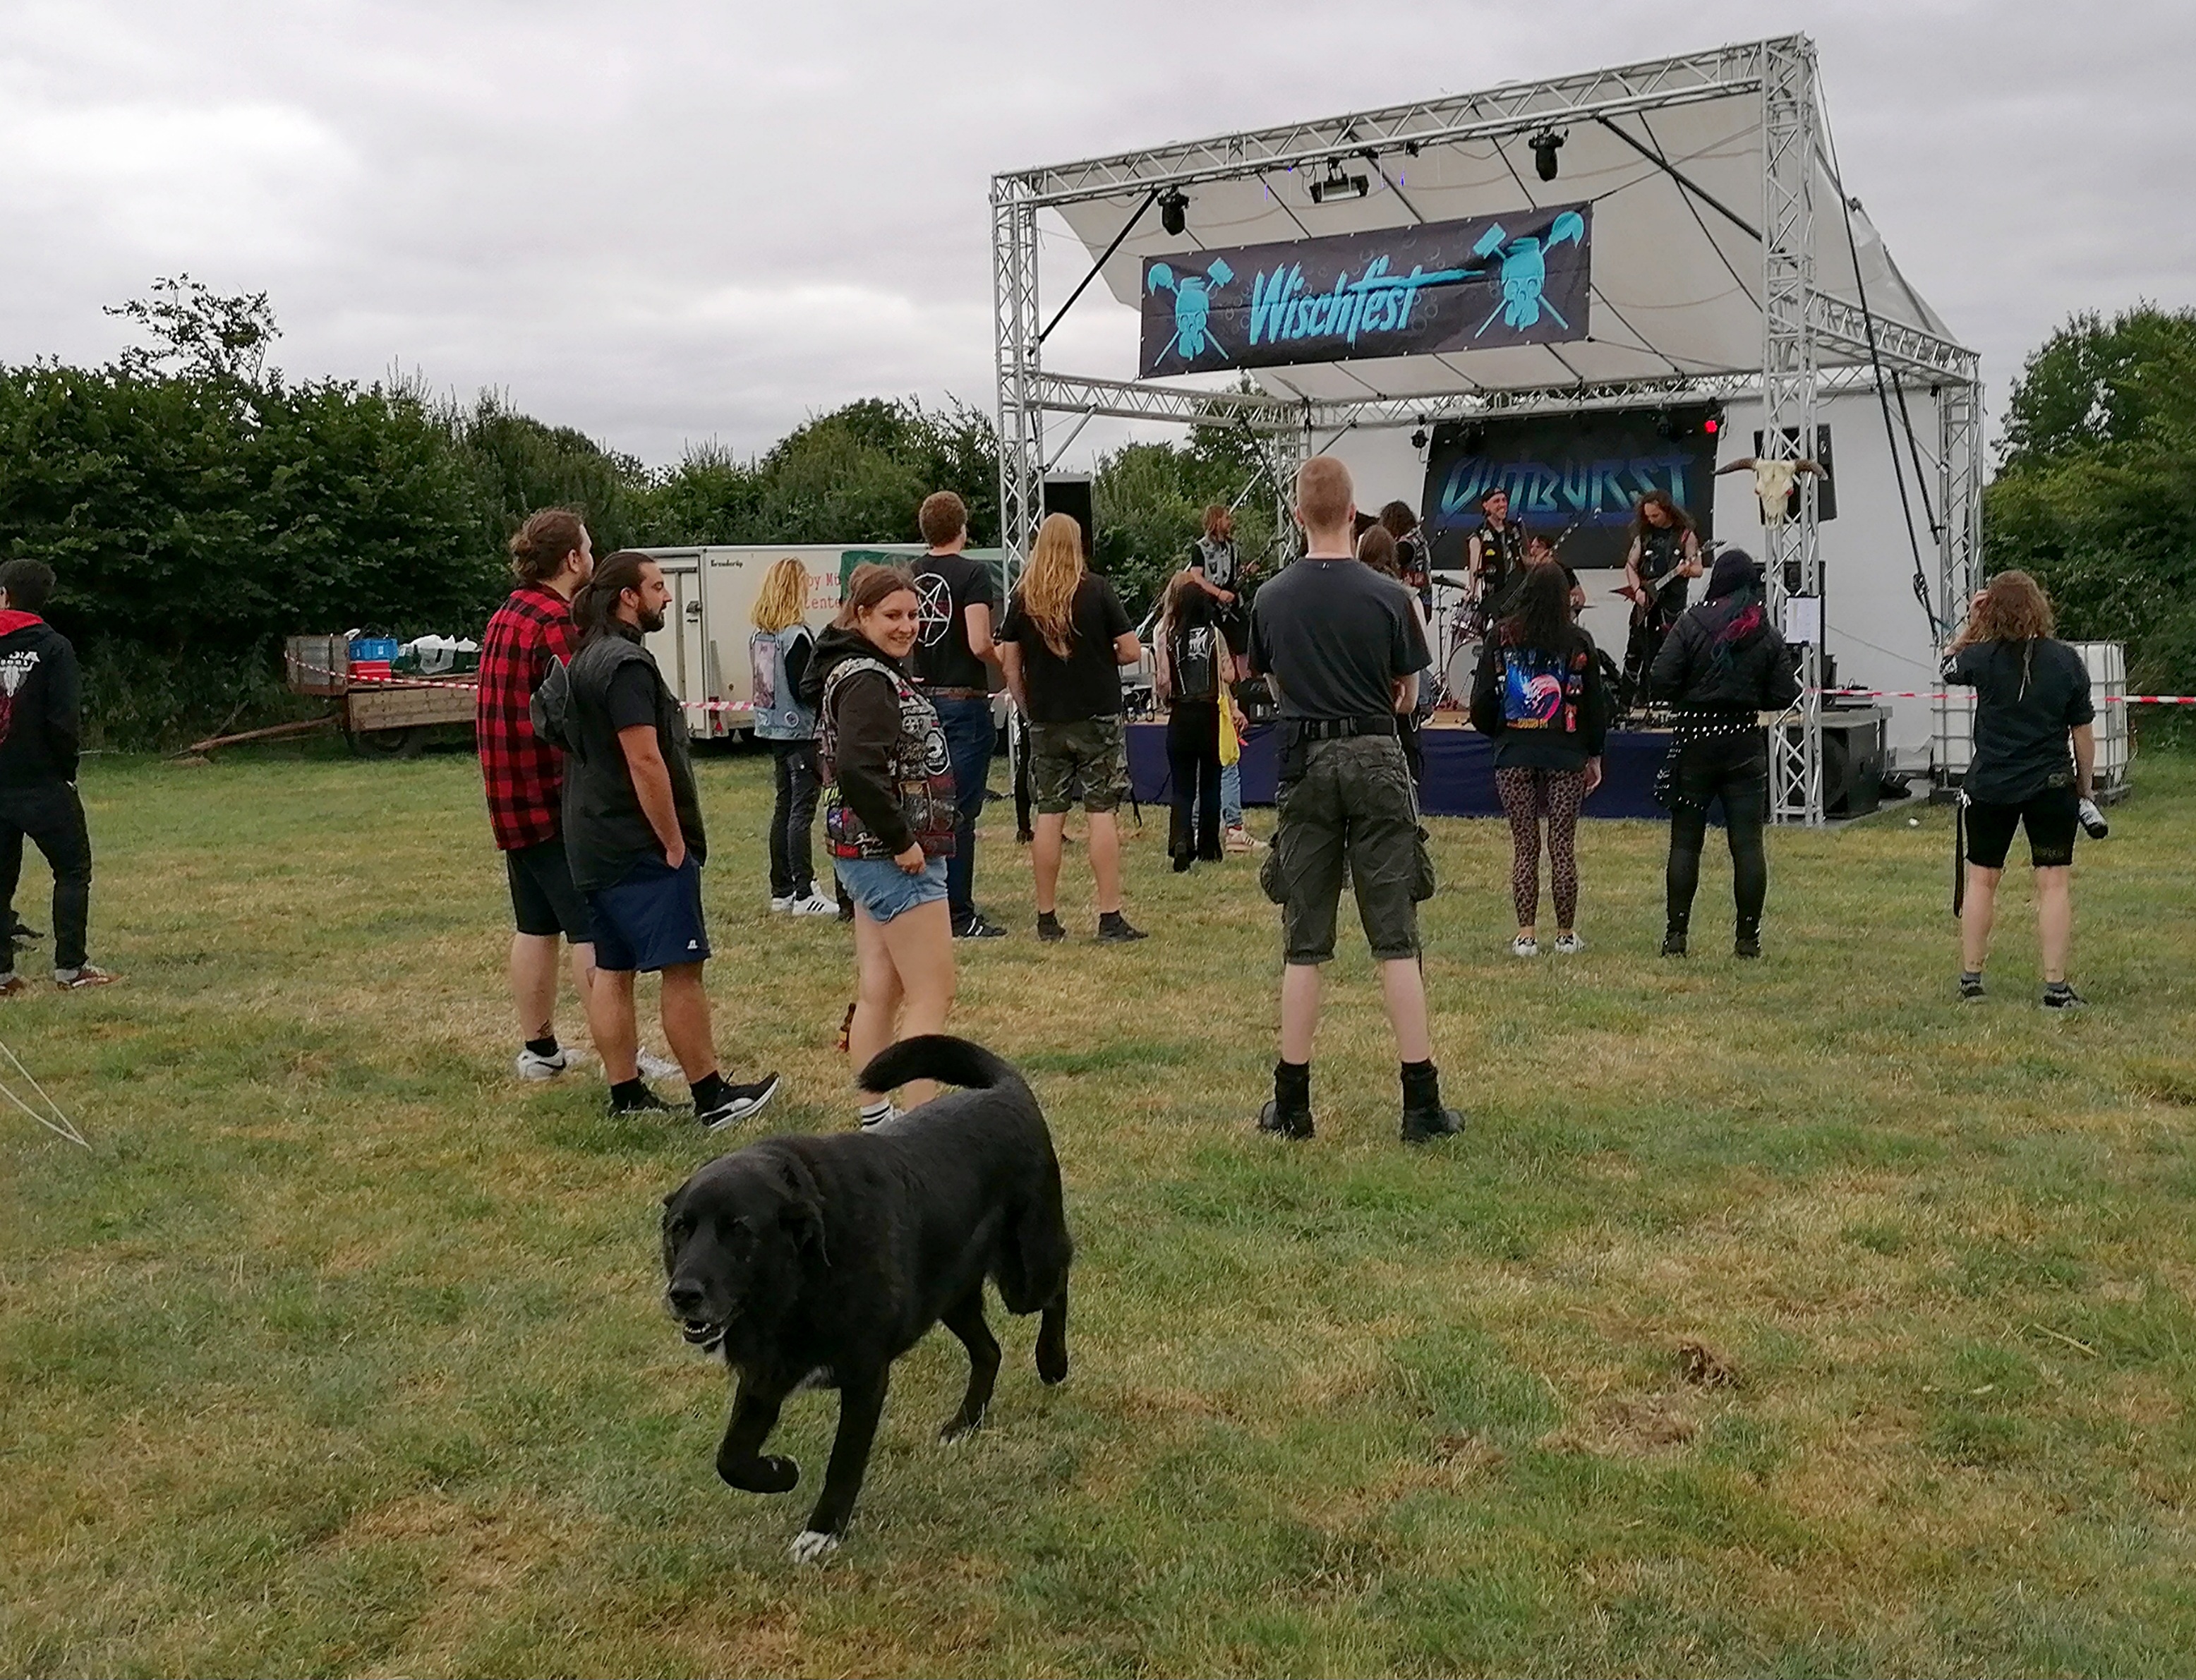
pixel 702 647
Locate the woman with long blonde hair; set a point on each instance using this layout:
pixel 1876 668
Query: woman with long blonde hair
pixel 1064 638
pixel 2032 704
pixel 779 653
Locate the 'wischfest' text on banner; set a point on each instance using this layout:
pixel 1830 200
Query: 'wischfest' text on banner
pixel 1491 281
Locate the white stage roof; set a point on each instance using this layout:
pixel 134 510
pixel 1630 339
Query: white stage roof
pixel 1676 280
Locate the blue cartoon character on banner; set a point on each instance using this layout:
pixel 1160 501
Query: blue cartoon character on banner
pixel 1525 271
pixel 1193 306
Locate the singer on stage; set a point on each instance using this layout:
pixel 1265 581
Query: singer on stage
pixel 1496 556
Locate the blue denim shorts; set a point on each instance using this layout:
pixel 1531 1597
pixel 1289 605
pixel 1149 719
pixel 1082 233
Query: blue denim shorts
pixel 885 890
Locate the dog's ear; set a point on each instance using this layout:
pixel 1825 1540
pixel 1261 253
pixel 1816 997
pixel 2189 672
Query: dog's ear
pixel 801 1213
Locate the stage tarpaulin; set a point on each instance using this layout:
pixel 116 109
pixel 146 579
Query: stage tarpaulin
pixel 1459 770
pixel 1573 478
pixel 1485 283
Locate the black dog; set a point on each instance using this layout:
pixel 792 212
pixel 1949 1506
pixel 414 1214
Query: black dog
pixel 817 1261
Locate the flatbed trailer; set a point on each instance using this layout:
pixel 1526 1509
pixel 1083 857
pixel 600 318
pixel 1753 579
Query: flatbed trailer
pixel 391 718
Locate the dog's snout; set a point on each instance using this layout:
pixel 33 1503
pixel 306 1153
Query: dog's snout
pixel 685 1297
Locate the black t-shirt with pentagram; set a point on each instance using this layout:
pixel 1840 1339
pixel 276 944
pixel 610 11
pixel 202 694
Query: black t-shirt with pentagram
pixel 947 586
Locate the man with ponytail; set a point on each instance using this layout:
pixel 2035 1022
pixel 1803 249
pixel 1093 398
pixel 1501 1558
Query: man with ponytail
pixel 632 830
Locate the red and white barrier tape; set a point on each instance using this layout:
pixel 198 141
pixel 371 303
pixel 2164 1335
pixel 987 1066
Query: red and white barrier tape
pixel 1955 694
pixel 397 682
pixel 742 706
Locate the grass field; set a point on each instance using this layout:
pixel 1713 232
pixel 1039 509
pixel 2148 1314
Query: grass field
pixel 340 1350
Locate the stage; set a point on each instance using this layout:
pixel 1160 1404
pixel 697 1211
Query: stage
pixel 1460 779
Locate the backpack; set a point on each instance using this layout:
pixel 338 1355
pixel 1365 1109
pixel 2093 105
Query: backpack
pixel 550 711
pixel 1197 665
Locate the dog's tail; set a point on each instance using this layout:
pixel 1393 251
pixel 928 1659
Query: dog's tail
pixel 940 1056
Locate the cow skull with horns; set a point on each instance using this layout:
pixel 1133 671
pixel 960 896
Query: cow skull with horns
pixel 1773 481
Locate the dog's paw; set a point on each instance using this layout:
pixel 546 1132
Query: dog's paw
pixel 761 1474
pixel 810 1547
pixel 1051 1360
pixel 956 1429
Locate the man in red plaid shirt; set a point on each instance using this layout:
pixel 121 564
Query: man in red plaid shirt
pixel 552 557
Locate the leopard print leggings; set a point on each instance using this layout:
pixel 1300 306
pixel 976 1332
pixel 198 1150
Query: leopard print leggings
pixel 1526 796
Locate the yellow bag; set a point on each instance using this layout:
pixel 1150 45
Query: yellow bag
pixel 1231 744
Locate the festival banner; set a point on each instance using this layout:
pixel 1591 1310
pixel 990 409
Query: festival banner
pixel 1486 283
pixel 1573 478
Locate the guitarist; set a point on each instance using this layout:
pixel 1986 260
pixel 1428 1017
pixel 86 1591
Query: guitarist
pixel 1664 557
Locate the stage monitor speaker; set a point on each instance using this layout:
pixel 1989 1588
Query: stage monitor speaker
pixel 1826 487
pixel 1852 761
pixel 1071 494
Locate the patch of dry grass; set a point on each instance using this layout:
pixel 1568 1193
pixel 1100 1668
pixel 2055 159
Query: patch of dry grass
pixel 340 1350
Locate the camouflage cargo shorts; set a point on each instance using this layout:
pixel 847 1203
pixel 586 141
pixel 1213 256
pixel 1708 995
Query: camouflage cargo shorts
pixel 1353 807
pixel 1092 754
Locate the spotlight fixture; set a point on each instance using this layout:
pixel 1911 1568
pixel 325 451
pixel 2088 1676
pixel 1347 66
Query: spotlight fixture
pixel 1419 437
pixel 1410 149
pixel 1337 185
pixel 1544 144
pixel 1173 205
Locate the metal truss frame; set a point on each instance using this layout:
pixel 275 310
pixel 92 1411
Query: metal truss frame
pixel 1959 539
pixel 1799 325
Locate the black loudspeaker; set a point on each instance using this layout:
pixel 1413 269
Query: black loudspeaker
pixel 1826 487
pixel 1071 495
pixel 1853 762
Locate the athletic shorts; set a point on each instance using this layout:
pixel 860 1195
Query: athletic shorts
pixel 885 890
pixel 2052 818
pixel 1094 751
pixel 544 903
pixel 650 920
pixel 1353 809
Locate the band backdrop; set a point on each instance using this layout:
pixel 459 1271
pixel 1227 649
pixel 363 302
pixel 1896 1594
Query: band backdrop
pixel 1572 478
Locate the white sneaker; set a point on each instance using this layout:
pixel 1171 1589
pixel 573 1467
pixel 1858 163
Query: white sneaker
pixel 812 903
pixel 1522 946
pixel 653 1066
pixel 533 1067
pixel 780 906
pixel 1568 943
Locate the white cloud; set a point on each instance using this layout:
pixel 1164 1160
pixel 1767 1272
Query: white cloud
pixel 672 220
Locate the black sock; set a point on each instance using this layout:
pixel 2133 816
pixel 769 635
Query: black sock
pixel 626 1091
pixel 1421 1085
pixel 543 1047
pixel 708 1091
pixel 1293 1086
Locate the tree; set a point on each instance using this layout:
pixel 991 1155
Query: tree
pixel 2096 489
pixel 198 334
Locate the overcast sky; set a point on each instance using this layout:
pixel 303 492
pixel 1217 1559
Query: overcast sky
pixel 663 220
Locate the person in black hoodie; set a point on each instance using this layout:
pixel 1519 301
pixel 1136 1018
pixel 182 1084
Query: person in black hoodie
pixel 40 726
pixel 1539 693
pixel 1723 665
pixel 890 816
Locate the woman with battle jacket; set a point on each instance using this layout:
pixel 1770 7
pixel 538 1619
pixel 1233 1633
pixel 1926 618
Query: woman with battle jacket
pixel 1538 695
pixel 890 812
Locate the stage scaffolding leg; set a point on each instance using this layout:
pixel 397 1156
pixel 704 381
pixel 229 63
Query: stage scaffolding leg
pixel 1021 423
pixel 1793 562
pixel 1959 552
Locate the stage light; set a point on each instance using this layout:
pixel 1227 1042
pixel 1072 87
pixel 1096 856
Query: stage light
pixel 1710 427
pixel 1173 206
pixel 1419 437
pixel 1337 185
pixel 1544 144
